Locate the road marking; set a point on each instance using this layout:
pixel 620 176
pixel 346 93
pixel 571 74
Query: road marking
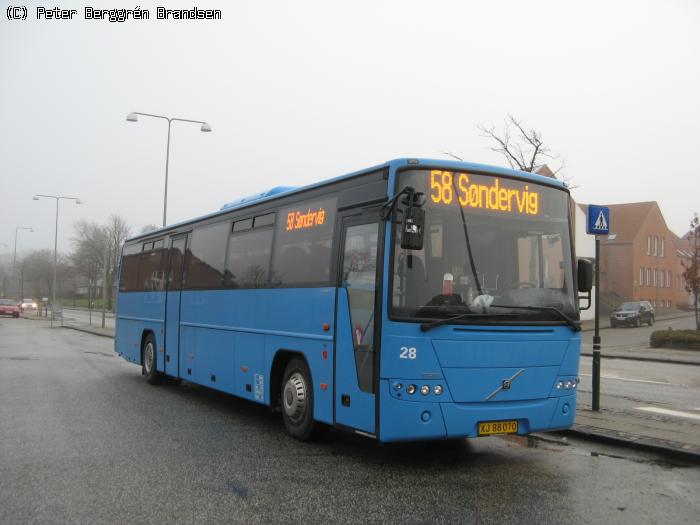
pixel 667 412
pixel 632 380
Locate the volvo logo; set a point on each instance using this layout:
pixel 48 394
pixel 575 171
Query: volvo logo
pixel 506 384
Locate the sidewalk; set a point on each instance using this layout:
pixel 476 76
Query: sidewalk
pixel 646 353
pixel 647 433
pixel 95 330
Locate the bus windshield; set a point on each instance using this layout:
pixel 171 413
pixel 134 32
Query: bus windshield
pixel 492 246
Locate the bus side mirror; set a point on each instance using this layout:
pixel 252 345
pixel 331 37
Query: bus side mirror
pixel 584 274
pixel 412 229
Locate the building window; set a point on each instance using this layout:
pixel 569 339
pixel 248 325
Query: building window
pixel 649 277
pixel 641 277
pixel 669 279
pixel 648 244
pixel 663 247
pixel 656 245
pixel 656 277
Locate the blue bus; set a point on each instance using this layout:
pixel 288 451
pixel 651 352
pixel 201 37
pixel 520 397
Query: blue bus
pixel 415 300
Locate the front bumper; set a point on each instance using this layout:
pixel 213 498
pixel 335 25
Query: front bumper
pixel 415 420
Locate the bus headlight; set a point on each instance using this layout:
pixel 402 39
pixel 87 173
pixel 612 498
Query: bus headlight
pixel 425 390
pixel 560 385
pixel 437 389
pixel 411 389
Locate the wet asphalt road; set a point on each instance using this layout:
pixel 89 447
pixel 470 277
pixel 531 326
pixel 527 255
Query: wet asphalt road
pixel 84 439
pixel 634 387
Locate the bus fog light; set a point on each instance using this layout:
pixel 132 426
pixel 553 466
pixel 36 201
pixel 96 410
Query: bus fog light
pixel 425 390
pixel 437 389
pixel 411 389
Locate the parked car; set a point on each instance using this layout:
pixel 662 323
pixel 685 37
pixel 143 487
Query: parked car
pixel 633 313
pixel 28 304
pixel 9 307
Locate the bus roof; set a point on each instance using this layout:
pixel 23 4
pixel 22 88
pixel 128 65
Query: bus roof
pixel 395 163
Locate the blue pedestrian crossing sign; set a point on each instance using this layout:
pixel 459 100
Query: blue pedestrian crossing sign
pixel 598 220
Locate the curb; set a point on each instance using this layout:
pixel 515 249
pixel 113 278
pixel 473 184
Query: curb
pixel 87 330
pixel 641 358
pixel 668 449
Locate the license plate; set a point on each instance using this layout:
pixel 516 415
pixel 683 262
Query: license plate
pixel 489 428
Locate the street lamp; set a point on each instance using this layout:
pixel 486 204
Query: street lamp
pixel 14 257
pixel 134 117
pixel 55 245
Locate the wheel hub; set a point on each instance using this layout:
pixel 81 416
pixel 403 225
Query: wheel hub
pixel 294 397
pixel 148 357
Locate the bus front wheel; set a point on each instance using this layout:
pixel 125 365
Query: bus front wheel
pixel 148 361
pixel 297 400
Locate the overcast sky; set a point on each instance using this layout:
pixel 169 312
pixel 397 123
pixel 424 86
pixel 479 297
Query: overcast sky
pixel 300 91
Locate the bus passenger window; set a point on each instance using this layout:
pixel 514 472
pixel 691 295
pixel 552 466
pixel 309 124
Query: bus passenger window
pixel 248 259
pixel 303 241
pixel 205 260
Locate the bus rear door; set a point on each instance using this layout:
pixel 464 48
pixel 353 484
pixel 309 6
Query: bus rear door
pixel 176 262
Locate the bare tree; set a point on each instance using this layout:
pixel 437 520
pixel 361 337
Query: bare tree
pixel 523 148
pixel 91 243
pixel 117 232
pixel 691 269
pixel 36 269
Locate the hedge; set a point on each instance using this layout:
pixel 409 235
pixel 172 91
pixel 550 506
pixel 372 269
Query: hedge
pixel 676 339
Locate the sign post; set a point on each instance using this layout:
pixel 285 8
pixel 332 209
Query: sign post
pixel 598 224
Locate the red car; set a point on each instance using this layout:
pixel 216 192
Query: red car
pixel 9 307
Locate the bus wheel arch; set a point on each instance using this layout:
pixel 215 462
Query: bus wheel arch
pixel 291 377
pixel 149 358
pixel 279 365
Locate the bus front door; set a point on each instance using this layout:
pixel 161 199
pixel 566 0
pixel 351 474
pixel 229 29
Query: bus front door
pixel 357 335
pixel 176 262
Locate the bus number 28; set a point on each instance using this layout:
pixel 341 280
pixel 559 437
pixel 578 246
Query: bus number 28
pixel 408 353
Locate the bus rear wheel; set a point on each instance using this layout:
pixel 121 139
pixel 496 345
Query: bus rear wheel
pixel 148 361
pixel 297 401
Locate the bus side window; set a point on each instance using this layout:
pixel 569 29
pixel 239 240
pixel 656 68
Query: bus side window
pixel 205 260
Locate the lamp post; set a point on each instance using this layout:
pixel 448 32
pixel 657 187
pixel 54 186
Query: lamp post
pixel 134 117
pixel 55 245
pixel 14 257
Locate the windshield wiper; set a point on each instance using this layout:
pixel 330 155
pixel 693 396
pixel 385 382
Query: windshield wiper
pixel 575 325
pixel 424 327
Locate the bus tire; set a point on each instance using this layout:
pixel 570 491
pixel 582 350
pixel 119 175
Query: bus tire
pixel 148 361
pixel 297 400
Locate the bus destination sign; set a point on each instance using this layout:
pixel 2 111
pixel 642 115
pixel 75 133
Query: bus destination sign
pixel 446 186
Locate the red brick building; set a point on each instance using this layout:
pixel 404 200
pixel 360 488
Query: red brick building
pixel 643 260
